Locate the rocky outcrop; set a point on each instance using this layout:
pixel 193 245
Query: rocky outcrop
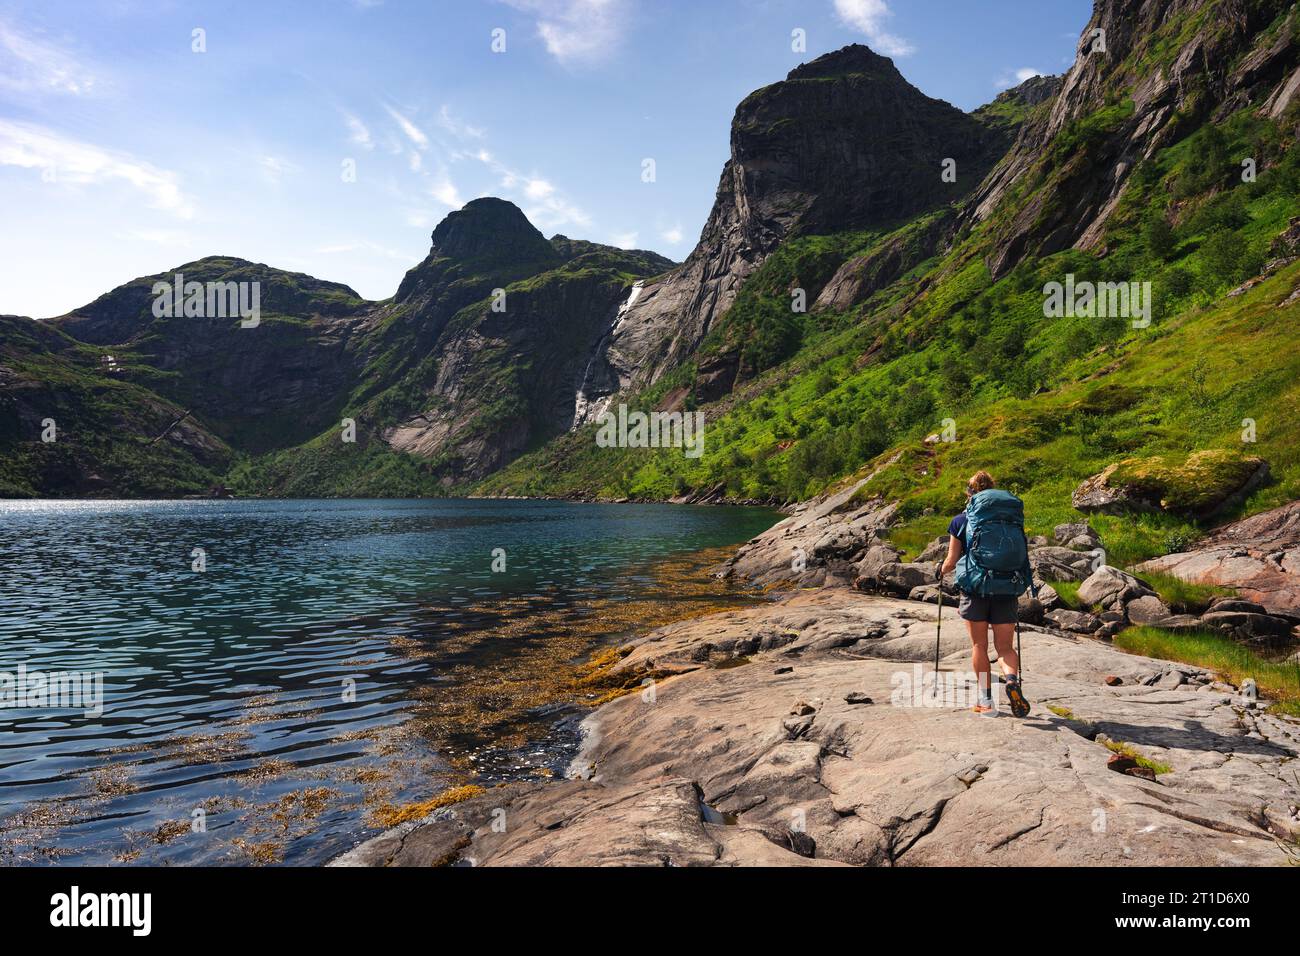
pixel 1258 556
pixel 808 733
pixel 830 538
pixel 807 157
pixel 862 276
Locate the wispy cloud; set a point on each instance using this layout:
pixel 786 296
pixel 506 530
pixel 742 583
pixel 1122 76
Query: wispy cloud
pixel 71 162
pixel 578 32
pixel 445 192
pixel 1015 77
pixel 457 128
pixel 29 64
pixel 672 235
pixel 412 132
pixel 358 132
pixel 869 17
pixel 624 240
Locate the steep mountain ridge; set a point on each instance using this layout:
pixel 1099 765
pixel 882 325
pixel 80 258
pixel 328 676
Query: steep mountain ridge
pixel 1146 73
pixel 843 142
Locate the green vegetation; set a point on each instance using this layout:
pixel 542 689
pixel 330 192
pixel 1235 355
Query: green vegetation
pixel 1277 680
pixel 1042 402
pixel 1068 592
pixel 1184 597
pixel 1128 750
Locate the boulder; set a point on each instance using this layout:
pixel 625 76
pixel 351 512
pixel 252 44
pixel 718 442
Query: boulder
pixel 1203 484
pixel 1249 627
pixel 1171 681
pixel 877 557
pixel 1048 597
pixel 1080 622
pixel 1077 536
pixel 1029 609
pixel 929 593
pixel 1098 495
pixel 1060 564
pixel 1181 622
pixel 935 551
pixel 1147 609
pixel 840 541
pixel 1234 604
pixel 902 578
pixel 1108 586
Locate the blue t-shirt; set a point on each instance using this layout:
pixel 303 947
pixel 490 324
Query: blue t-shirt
pixel 957 528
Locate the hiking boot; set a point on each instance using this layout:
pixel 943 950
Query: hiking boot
pixel 984 710
pixel 1016 697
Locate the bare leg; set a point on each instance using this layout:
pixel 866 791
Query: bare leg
pixel 1004 640
pixel 979 654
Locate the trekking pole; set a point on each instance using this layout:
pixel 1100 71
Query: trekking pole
pixel 1020 657
pixel 938 630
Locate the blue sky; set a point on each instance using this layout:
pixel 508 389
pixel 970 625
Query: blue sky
pixel 124 153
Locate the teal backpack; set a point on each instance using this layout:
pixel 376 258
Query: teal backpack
pixel 996 558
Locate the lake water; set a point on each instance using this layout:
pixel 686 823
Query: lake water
pixel 330 662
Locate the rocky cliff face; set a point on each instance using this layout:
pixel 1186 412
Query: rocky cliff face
pixel 1145 73
pixel 844 142
pixel 502 381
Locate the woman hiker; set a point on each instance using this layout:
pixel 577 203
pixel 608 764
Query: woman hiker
pixel 980 610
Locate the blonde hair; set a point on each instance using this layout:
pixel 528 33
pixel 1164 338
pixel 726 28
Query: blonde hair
pixel 980 481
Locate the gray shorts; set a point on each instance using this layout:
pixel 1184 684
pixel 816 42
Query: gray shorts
pixel 999 609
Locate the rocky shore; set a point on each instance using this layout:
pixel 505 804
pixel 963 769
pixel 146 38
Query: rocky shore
pixel 811 731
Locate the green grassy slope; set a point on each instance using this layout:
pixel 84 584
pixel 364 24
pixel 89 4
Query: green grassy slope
pixel 109 432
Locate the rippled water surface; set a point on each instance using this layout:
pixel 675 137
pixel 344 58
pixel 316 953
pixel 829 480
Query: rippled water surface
pixel 335 661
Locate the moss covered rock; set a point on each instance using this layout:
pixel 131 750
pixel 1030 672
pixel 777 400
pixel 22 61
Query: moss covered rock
pixel 1204 483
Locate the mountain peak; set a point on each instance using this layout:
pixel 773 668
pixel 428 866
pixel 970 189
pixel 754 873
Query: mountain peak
pixel 490 228
pixel 856 58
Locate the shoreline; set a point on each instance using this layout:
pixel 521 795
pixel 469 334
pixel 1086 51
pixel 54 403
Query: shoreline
pixel 803 732
pixel 786 722
pixel 780 508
